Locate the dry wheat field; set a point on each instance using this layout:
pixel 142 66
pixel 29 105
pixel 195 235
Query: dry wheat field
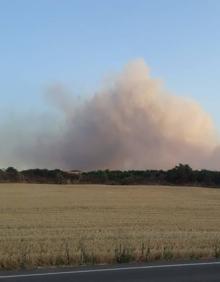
pixel 43 225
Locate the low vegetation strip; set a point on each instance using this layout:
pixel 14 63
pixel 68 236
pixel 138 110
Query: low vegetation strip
pixel 179 175
pixel 45 225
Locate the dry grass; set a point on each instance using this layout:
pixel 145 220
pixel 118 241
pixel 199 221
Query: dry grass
pixel 62 225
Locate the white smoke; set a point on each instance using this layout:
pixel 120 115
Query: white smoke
pixel 133 123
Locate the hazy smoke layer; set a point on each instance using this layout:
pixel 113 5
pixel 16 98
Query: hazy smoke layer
pixel 131 124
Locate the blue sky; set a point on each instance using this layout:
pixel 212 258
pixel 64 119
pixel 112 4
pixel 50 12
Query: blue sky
pixel 78 42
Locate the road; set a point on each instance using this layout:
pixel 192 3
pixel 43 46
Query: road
pixel 166 272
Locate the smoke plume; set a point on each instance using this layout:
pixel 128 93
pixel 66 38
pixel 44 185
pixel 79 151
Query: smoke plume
pixel 131 123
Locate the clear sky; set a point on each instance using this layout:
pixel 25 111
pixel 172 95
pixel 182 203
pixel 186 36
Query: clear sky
pixel 78 42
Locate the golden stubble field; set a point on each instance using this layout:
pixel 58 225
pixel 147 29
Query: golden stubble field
pixel 76 224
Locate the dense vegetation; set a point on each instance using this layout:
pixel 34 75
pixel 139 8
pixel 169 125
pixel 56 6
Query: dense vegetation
pixel 179 175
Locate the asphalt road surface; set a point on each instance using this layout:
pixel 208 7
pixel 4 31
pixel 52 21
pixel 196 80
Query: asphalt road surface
pixel 166 272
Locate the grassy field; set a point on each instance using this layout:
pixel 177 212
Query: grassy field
pixel 61 225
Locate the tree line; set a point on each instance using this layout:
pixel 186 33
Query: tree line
pixel 181 174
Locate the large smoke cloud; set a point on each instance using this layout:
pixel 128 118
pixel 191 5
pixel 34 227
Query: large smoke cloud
pixel 133 123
